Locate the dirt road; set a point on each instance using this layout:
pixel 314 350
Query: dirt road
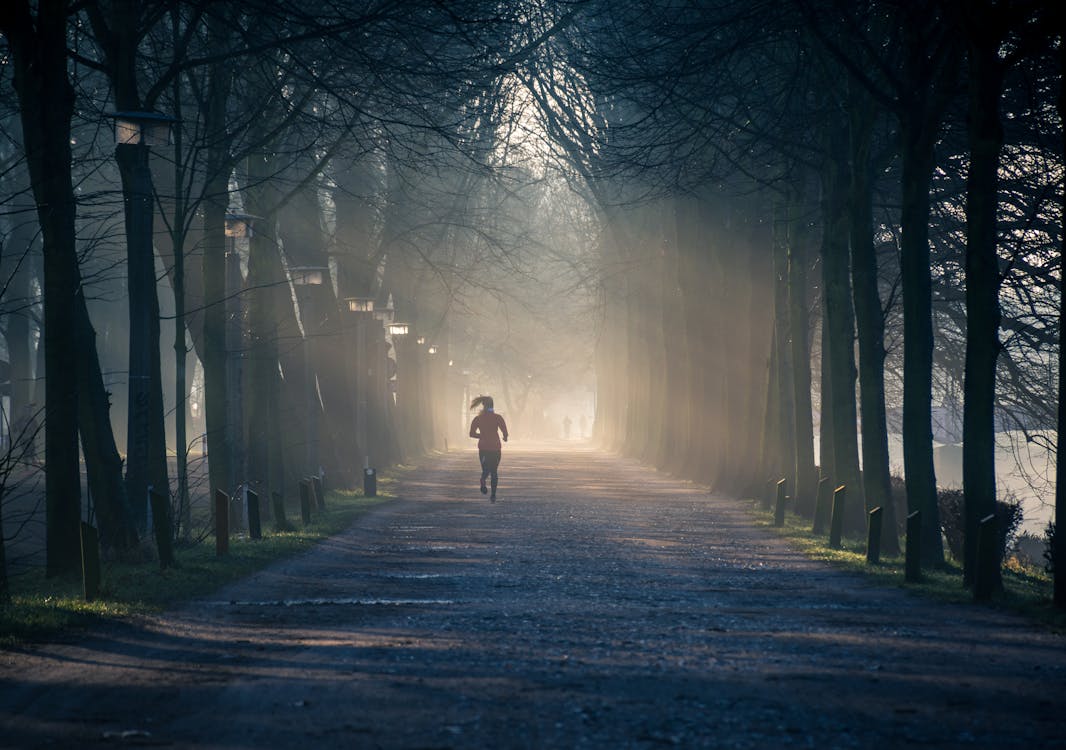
pixel 596 604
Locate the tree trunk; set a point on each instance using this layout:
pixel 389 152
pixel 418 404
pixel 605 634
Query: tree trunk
pixel 806 473
pixel 918 162
pixel 103 464
pixel 877 482
pixel 783 332
pixel 215 206
pixel 146 464
pixel 919 119
pixel 982 291
pixel 839 323
pixel 1058 550
pixel 38 50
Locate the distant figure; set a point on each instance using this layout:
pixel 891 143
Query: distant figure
pixel 582 423
pixel 486 428
pixel 566 427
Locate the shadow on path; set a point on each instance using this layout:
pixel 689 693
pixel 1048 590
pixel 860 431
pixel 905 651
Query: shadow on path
pixel 596 604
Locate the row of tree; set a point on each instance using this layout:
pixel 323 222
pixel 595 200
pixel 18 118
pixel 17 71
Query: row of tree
pixel 361 143
pixel 816 212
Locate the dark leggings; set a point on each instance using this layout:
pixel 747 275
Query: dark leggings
pixel 490 464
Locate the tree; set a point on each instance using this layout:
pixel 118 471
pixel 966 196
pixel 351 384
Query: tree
pixel 38 49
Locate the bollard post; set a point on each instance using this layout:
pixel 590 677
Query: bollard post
pixel 281 523
pixel 370 482
pixel 320 493
pixel 821 506
pixel 913 552
pixel 164 532
pixel 90 561
pixel 873 539
pixel 984 581
pixel 779 503
pixel 255 529
pixel 836 524
pixel 305 501
pixel 221 523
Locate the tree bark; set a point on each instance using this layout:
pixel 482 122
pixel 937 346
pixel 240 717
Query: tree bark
pixel 783 333
pixel 840 325
pixel 982 284
pixel 103 464
pixel 215 205
pixel 806 473
pixel 38 49
pixel 146 464
pixel 1058 550
pixel 877 482
pixel 917 153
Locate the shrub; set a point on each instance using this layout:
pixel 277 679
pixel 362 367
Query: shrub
pixel 1029 549
pixel 1008 513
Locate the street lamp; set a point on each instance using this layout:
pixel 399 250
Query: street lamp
pixel 146 459
pixel 239 226
pixel 309 276
pixel 150 129
pixel 368 373
pixel 432 349
pixel 420 340
pixel 360 304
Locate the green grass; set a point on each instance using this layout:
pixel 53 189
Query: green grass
pixel 42 609
pixel 1026 589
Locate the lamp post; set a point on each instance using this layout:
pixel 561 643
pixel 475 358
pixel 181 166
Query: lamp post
pixel 238 226
pixel 146 459
pixel 433 383
pixel 302 278
pixel 363 310
pixel 393 408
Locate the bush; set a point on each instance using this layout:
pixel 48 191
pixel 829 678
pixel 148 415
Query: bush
pixel 1030 549
pixel 1008 513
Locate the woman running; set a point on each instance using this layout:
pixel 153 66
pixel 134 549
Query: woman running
pixel 486 428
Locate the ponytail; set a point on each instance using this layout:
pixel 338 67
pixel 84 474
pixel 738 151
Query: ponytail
pixel 485 401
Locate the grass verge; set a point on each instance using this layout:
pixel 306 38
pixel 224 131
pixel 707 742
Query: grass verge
pixel 43 609
pixel 1026 589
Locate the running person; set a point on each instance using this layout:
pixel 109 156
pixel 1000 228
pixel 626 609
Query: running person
pixel 486 428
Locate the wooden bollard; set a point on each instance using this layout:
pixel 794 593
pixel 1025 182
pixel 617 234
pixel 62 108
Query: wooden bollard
pixel 320 492
pixel 305 501
pixel 221 523
pixel 163 528
pixel 913 551
pixel 984 580
pixel 836 524
pixel 822 503
pixel 281 523
pixel 779 503
pixel 90 561
pixel 255 529
pixel 873 539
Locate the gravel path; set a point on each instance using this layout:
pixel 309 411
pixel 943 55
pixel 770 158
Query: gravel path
pixel 596 604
